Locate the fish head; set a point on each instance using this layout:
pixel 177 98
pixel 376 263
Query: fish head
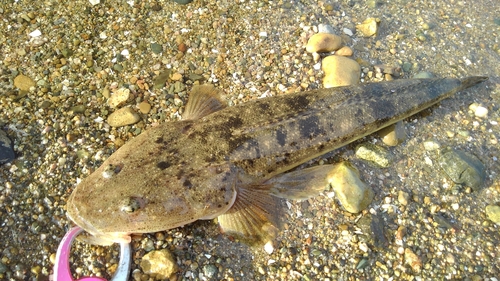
pixel 136 192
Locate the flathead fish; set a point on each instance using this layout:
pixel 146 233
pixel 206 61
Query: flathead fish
pixel 233 162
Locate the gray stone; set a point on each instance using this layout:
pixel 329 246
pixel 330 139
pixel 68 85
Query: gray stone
pixel 463 168
pixel 6 152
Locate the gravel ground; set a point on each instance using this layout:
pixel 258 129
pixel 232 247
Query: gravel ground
pixel 431 228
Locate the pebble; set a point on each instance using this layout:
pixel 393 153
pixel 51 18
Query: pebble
pixel 431 145
pixel 479 111
pixel 394 134
pixel 6 152
pixel 340 71
pixel 344 51
pixel 122 117
pixel 144 107
pixel 493 213
pixel 118 97
pixel 353 194
pixel 414 261
pixel 160 80
pixel 368 27
pixel 210 271
pixel 463 168
pixel 159 262
pixel 375 154
pixel 325 28
pixel 423 75
pixel 403 198
pixel 156 48
pixel 23 83
pixel 323 43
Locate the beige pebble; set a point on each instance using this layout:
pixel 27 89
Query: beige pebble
pixel 23 83
pixel 177 76
pixel 413 260
pixel 159 262
pixel 368 27
pixel 323 43
pixel 118 97
pixel 340 71
pixel 144 107
pixel 353 194
pixel 394 134
pixel 122 117
pixel 344 51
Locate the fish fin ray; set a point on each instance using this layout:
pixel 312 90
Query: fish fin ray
pixel 203 100
pixel 301 184
pixel 254 216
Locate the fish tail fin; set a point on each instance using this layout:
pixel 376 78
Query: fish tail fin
pixel 301 184
pixel 203 100
pixel 254 216
pixel 470 81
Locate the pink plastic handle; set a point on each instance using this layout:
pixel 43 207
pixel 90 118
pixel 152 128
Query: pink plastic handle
pixel 62 270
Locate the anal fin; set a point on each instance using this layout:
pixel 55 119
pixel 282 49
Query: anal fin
pixel 301 184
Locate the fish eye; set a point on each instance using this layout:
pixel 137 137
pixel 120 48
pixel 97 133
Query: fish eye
pixel 132 204
pixel 111 170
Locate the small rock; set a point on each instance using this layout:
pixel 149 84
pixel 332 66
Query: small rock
pixel 463 168
pixel 430 145
pixel 479 110
pixel 24 83
pixel 423 75
pixel 159 262
pixel 6 152
pixel 375 154
pixel 340 71
pixel 493 213
pixel 177 76
pixel 353 194
pixel 183 2
pixel 156 48
pixel 413 260
pixel 323 43
pixel 144 107
pixel 394 134
pixel 94 2
pixel 368 27
pixel 210 271
pixel 118 97
pixel 122 117
pixel 325 28
pixel 160 80
pixel 403 198
pixel 344 51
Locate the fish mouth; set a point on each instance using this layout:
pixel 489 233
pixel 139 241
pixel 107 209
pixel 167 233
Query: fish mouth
pixel 97 237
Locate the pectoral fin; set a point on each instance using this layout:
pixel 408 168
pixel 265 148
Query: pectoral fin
pixel 254 216
pixel 301 184
pixel 203 100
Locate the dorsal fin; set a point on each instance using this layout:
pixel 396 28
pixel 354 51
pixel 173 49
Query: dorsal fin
pixel 203 100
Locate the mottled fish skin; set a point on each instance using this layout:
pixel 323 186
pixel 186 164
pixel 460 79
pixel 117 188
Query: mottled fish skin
pixel 179 172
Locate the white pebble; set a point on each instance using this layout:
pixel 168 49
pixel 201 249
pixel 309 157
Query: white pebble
pixel 269 247
pixel 35 33
pixel 481 112
pixel 94 2
pixel 348 31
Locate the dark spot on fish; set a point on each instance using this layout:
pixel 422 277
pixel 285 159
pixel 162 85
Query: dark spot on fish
pixel 234 122
pixel 309 126
pixel 297 103
pixel 186 128
pixel 293 143
pixel 264 106
pixel 281 136
pixel 159 140
pixel 162 165
pixel 321 147
pixel 187 184
pixel 219 206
